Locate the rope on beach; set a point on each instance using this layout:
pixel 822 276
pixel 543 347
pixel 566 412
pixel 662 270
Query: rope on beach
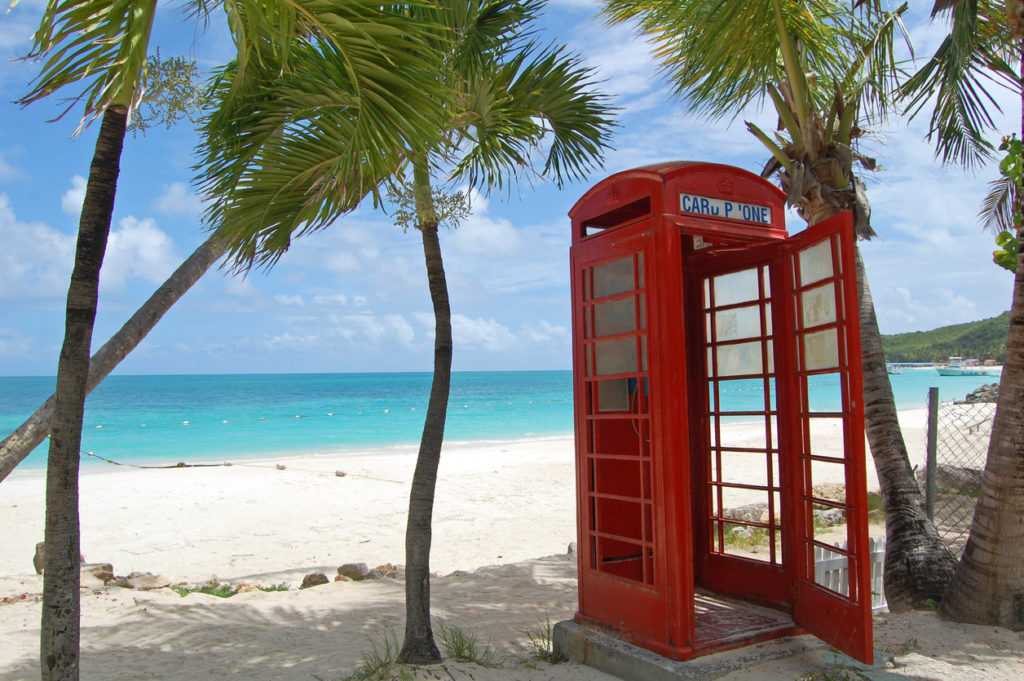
pixel 280 467
pixel 180 464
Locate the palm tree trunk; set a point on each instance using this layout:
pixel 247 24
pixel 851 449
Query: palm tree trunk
pixel 988 587
pixel 59 644
pixel 20 443
pixel 418 646
pixel 989 584
pixel 918 566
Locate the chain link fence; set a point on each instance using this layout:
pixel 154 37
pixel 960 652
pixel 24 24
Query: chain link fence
pixel 957 447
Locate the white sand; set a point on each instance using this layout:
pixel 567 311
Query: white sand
pixel 495 504
pixel 498 505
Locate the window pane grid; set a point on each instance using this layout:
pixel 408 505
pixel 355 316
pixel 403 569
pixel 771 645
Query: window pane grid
pixel 619 494
pixel 739 345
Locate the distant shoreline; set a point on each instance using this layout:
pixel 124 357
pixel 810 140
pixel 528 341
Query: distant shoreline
pixel 209 420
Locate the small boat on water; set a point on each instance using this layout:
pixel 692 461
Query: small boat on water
pixel 958 366
pixel 892 369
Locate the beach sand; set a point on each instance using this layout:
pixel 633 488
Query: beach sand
pixel 499 507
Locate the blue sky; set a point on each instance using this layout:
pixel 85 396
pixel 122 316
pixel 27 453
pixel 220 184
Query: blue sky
pixel 354 297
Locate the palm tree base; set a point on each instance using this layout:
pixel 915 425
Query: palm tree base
pixel 419 652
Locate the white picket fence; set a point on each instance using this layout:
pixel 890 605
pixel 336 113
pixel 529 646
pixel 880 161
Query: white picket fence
pixel 832 571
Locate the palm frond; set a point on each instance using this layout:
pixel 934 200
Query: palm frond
pixel 98 45
pixel 875 72
pixel 972 59
pixel 526 102
pixel 291 151
pixel 997 208
pixel 780 156
pixel 720 55
pixel 482 30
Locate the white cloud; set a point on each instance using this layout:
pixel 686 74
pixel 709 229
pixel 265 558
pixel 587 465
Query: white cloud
pixel 490 256
pixel 920 285
pixel 483 234
pixel 137 249
pixel 621 59
pixel 36 259
pixel 349 246
pixel 544 332
pixel 177 199
pixel 283 299
pixel 288 341
pixel 389 329
pixel 331 299
pixel 71 202
pixel 488 334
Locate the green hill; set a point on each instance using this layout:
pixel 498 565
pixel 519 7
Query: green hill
pixel 984 340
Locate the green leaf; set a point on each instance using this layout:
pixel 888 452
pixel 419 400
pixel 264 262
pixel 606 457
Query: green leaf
pixel 1006 255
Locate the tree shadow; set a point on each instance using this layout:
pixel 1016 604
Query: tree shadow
pixel 298 635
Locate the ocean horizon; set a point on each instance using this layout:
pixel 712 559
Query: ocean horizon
pixel 164 419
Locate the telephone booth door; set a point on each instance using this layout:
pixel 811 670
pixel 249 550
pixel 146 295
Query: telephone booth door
pixel 781 363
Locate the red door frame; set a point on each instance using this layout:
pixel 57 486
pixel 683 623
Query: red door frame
pixel 654 616
pixel 744 578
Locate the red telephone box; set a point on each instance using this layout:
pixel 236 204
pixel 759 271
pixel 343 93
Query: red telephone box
pixel 714 359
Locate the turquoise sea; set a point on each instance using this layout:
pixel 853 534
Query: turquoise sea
pixel 166 419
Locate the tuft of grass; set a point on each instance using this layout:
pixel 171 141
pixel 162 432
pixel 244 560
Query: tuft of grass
pixel 465 646
pixel 283 586
pixel 381 663
pixel 222 589
pixel 213 589
pixel 905 648
pixel 745 536
pixel 539 642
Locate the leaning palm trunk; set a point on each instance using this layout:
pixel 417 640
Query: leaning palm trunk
pixel 418 646
pixel 918 566
pixel 20 443
pixel 59 639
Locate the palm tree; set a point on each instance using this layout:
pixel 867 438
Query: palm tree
pixel 110 39
pixel 827 72
pixel 988 587
pixel 502 98
pixel 508 99
pixel 101 45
